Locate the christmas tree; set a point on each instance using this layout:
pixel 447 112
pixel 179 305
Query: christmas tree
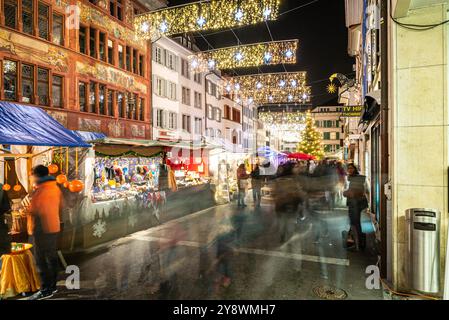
pixel 311 139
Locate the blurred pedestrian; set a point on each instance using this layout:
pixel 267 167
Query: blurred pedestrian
pixel 5 240
pixel 256 183
pixel 242 182
pixel 357 201
pixel 46 204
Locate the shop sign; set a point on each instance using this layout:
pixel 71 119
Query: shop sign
pixel 352 111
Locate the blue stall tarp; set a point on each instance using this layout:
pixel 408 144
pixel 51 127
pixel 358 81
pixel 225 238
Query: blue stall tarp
pixel 87 136
pixel 27 125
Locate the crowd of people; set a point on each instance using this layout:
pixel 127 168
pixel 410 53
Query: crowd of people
pixel 301 187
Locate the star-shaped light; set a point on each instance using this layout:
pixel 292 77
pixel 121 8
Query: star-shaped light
pixel 145 27
pixel 267 57
pixel 289 53
pixel 228 88
pixel 211 64
pixel 293 83
pixel 239 56
pixel 239 15
pixel 237 86
pixel 290 97
pixel 163 27
pixel 259 85
pixel 195 64
pixel 305 96
pixel 282 83
pixel 201 21
pixel 267 13
pixel 331 88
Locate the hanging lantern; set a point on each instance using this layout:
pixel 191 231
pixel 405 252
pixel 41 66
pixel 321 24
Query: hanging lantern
pixel 61 179
pixel 53 168
pixel 6 187
pixel 17 188
pixel 76 186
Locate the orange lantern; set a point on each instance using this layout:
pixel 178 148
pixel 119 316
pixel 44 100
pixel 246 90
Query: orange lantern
pixel 6 187
pixel 76 186
pixel 53 168
pixel 61 179
pixel 17 188
pixel 66 184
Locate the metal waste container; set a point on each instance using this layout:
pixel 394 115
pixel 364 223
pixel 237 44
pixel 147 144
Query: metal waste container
pixel 423 244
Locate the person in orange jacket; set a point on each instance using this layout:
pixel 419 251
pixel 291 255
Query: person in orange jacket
pixel 46 204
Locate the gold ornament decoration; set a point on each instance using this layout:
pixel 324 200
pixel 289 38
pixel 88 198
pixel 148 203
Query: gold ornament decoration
pixel 331 88
pixel 204 16
pixel 245 56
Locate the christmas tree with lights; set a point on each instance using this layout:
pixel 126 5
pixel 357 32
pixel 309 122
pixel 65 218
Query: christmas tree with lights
pixel 311 139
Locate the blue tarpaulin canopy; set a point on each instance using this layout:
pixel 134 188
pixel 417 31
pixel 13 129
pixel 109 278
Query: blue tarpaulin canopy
pixel 26 125
pixel 87 136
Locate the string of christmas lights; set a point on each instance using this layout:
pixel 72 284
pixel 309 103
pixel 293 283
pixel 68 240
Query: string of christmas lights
pixel 245 56
pixel 205 15
pixel 269 88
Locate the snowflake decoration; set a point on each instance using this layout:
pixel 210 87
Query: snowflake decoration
pixel 99 228
pixel 132 221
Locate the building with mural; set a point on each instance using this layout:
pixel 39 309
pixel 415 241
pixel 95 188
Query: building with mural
pixel 80 61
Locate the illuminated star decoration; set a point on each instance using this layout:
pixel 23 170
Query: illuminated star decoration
pixel 205 15
pixel 246 56
pixel 331 88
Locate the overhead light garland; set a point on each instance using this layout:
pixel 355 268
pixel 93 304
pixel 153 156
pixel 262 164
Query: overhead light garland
pixel 269 88
pixel 205 15
pixel 245 56
pixel 283 121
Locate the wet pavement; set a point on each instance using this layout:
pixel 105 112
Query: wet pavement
pixel 227 252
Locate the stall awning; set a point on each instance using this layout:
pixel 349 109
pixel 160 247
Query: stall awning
pixel 26 125
pixel 87 136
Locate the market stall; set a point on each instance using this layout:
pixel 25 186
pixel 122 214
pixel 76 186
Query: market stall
pixel 28 137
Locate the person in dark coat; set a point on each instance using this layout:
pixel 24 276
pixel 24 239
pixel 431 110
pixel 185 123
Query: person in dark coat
pixel 256 183
pixel 5 241
pixel 357 201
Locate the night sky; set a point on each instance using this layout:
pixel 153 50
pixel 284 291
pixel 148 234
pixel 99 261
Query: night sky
pixel 320 28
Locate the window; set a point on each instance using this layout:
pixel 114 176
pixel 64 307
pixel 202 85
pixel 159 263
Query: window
pixel 159 118
pixel 217 114
pixel 142 109
pixel 43 11
pixel 227 112
pixel 198 100
pixel 157 55
pixel 186 123
pixel 82 39
pixel 235 115
pixel 142 65
pixel 42 86
pixel 57 91
pixel 93 42
pixel 82 93
pixel 130 106
pixel 159 86
pixel 120 104
pixel 198 125
pixel 185 70
pixel 128 58
pixel 326 136
pixel 111 52
pixel 186 96
pixel 171 91
pixel 10 79
pixel 101 98
pixel 92 97
pixel 111 95
pixel 27 83
pixel 120 56
pixel 171 61
pixel 27 16
pixel 58 29
pixel 102 46
pixel 210 112
pixel 172 120
pixel 116 9
pixel 134 64
pixel 11 10
pixel 197 77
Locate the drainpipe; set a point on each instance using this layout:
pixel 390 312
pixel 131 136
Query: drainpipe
pixel 384 134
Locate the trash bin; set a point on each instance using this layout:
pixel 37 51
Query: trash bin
pixel 423 243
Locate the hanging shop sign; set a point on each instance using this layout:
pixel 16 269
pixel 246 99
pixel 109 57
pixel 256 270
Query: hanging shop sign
pixel 352 111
